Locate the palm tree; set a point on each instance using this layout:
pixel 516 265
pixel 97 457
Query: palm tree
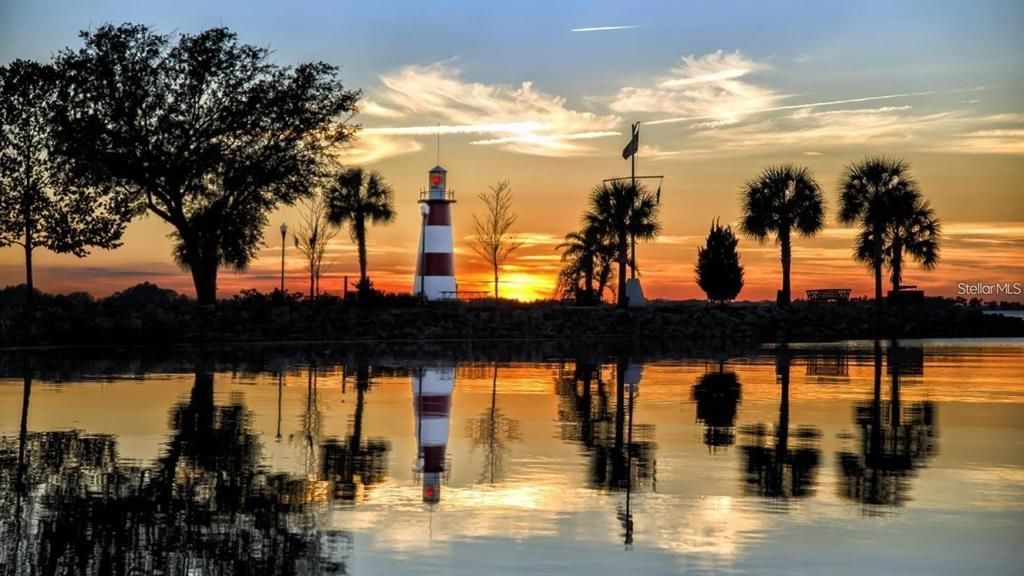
pixel 354 197
pixel 915 230
pixel 872 193
pixel 623 212
pixel 588 258
pixel 783 198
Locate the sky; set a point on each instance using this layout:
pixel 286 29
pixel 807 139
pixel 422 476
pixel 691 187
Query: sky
pixel 543 95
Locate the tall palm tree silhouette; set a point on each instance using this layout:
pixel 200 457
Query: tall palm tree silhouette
pixel 914 229
pixel 624 213
pixel 881 198
pixel 782 199
pixel 358 197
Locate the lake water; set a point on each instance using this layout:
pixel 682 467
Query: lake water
pixel 852 458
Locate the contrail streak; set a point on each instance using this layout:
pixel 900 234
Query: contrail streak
pixel 792 107
pixel 604 28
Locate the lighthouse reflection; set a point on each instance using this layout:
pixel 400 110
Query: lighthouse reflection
pixel 432 388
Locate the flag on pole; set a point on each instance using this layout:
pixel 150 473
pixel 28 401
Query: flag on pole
pixel 634 143
pixel 657 198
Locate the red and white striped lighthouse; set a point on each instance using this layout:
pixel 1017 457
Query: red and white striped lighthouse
pixel 432 401
pixel 435 261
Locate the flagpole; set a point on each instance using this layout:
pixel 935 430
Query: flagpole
pixel 632 178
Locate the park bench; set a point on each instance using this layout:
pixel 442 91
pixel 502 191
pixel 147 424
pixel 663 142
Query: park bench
pixel 828 295
pixel 906 294
pixel 464 294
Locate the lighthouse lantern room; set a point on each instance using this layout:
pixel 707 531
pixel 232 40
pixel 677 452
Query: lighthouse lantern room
pixel 435 262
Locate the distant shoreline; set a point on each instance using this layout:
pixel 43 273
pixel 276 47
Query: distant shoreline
pixel 154 317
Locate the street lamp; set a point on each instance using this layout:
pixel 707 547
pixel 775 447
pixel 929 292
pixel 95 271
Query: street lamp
pixel 284 232
pixel 425 210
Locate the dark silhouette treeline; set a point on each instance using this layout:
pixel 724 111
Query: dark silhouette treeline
pixel 147 314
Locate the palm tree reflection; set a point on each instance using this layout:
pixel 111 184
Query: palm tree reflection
pixel 775 467
pixel 356 464
pixel 894 441
pixel 621 452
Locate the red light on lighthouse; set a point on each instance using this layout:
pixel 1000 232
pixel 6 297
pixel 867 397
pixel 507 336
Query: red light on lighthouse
pixel 435 179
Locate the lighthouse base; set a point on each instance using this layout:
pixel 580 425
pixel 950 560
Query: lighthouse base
pixel 435 287
pixel 635 293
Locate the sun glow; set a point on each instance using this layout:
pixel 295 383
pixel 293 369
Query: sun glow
pixel 526 286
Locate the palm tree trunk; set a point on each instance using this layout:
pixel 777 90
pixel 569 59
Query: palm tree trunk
pixel 360 225
pixel 787 256
pixel 897 264
pixel 588 277
pixel 877 264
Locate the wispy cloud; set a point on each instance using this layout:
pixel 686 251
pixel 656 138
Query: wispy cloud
pixel 605 28
pixel 516 118
pixel 707 87
pixel 792 107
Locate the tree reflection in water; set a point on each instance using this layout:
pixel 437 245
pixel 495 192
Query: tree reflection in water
pixel 894 441
pixel 717 395
pixel 206 506
pixel 355 465
pixel 622 453
pixel 778 466
pixel 492 430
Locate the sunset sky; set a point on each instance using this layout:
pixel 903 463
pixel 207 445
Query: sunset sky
pixel 542 94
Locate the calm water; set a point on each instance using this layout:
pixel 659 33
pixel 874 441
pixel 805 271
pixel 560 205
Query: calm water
pixel 850 458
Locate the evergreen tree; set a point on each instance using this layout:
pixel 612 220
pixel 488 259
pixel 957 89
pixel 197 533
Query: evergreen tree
pixel 719 272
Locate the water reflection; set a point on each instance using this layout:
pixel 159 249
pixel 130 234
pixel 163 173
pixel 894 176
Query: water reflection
pixel 432 401
pixel 894 440
pixel 355 464
pixel 206 506
pixel 283 466
pixel 493 431
pixel 621 452
pixel 778 466
pixel 717 396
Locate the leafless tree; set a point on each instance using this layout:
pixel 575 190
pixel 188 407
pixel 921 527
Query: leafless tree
pixel 313 237
pixel 493 238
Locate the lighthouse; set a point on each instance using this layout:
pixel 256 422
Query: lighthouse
pixel 432 401
pixel 435 261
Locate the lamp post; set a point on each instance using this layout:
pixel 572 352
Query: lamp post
pixel 284 232
pixel 425 210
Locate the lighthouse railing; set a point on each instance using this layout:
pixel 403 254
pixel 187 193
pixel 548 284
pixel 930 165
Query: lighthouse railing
pixel 446 195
